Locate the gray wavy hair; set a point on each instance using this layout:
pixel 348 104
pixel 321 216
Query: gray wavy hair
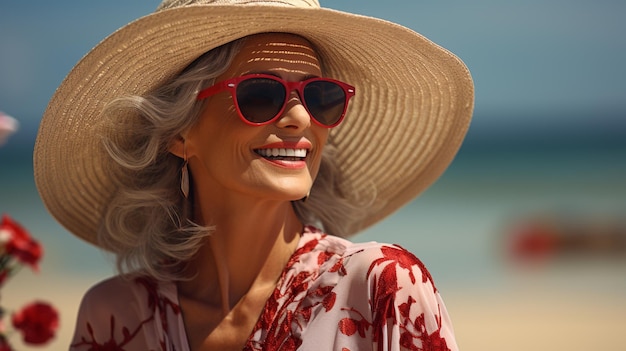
pixel 147 224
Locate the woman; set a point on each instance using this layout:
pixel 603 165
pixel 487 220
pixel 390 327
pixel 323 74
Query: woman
pixel 221 150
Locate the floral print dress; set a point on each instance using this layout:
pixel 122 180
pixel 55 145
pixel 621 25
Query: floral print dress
pixel 332 295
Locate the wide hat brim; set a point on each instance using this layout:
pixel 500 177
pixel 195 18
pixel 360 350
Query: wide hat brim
pixel 403 128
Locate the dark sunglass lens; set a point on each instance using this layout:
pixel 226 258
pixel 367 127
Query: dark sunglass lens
pixel 325 100
pixel 260 99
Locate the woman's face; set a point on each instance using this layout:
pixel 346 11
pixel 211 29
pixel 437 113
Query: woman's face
pixel 226 155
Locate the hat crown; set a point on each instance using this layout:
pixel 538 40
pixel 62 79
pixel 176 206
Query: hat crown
pixel 403 80
pixel 167 4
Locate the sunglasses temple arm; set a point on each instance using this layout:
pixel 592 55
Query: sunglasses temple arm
pixel 212 90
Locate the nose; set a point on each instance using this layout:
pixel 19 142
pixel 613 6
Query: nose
pixel 295 115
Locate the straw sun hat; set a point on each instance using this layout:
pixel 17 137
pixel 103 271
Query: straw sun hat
pixel 412 109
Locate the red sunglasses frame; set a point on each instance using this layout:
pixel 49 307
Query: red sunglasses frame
pixel 232 83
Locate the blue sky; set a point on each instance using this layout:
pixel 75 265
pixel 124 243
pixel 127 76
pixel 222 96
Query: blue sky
pixel 532 61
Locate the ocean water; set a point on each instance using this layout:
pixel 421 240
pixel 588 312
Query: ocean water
pixel 458 227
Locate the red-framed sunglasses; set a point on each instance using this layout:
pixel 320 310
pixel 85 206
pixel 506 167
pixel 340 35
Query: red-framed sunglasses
pixel 261 98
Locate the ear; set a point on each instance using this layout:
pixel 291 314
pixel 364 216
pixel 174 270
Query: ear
pixel 177 147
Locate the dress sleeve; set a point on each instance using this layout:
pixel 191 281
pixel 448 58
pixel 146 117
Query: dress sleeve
pixel 115 315
pixel 407 310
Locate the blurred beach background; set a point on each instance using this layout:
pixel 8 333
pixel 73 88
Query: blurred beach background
pixel 525 234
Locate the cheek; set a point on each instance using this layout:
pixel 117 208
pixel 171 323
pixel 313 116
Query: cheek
pixel 209 136
pixel 322 138
pixel 219 109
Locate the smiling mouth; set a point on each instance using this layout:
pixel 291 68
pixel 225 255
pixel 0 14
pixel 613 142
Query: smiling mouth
pixel 283 154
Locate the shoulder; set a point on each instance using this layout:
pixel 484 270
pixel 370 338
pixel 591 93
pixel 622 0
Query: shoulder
pixel 402 297
pixel 386 257
pixel 388 263
pixel 106 301
pixel 128 296
pixel 119 284
pixel 373 261
pixel 121 311
pixel 118 290
pixel 107 293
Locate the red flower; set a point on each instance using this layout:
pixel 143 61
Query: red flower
pixel 37 322
pixel 19 243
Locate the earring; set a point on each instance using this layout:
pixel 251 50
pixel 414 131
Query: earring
pixel 184 175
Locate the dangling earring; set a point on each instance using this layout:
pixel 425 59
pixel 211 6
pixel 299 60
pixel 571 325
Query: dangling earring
pixel 184 175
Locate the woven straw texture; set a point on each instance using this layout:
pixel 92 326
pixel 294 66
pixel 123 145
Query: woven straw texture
pixel 412 109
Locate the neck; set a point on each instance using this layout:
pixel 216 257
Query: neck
pixel 248 250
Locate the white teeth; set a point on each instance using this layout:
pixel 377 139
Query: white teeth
pixel 282 152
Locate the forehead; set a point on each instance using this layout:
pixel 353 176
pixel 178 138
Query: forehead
pixel 279 53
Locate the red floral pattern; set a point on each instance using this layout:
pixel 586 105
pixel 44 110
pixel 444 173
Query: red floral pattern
pixel 158 309
pixel 332 294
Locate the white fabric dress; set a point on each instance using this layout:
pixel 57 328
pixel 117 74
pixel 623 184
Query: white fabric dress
pixel 332 295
